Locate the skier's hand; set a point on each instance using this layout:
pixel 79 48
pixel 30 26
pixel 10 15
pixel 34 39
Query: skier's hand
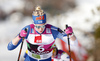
pixel 23 34
pixel 69 30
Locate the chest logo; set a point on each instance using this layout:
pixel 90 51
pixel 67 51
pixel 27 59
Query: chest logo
pixel 38 39
pixel 48 30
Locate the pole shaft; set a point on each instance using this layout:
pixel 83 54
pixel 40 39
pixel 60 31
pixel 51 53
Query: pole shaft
pixel 20 49
pixel 68 43
pixel 69 48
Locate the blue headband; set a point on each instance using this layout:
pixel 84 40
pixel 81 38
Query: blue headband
pixel 41 19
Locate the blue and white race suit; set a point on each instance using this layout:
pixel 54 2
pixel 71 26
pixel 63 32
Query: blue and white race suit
pixel 40 46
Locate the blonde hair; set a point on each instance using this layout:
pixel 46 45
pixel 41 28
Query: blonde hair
pixel 38 11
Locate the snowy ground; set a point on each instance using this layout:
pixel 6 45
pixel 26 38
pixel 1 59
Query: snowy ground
pixel 6 55
pixel 76 18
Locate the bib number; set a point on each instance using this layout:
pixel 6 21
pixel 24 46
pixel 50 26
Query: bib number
pixel 40 49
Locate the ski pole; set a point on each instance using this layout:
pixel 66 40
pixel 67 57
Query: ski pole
pixel 21 47
pixel 68 44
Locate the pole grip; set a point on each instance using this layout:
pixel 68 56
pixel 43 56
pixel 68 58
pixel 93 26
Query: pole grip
pixel 66 26
pixel 26 29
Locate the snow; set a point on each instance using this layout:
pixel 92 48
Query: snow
pixel 12 55
pixel 80 18
pixel 8 6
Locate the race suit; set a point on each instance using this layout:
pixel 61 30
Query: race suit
pixel 40 46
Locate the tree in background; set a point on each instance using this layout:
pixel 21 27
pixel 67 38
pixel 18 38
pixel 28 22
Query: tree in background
pixel 97 42
pixel 51 6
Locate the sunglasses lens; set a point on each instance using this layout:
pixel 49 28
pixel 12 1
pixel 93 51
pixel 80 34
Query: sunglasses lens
pixel 43 26
pixel 37 27
pixel 40 26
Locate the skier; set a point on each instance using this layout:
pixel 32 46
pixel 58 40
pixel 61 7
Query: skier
pixel 40 37
pixel 60 55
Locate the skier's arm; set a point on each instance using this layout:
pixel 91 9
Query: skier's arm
pixel 63 36
pixel 73 37
pixel 58 33
pixel 14 43
pixel 21 35
pixel 17 40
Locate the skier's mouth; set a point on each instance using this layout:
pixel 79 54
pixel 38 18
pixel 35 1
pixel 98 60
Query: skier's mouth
pixel 41 31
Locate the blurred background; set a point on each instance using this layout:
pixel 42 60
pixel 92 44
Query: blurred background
pixel 82 15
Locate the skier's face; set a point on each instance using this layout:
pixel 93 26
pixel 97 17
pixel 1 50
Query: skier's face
pixel 40 27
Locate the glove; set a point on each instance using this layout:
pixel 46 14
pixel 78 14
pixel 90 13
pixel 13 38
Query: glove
pixel 69 30
pixel 22 34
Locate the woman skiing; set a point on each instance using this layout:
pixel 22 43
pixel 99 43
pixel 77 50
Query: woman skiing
pixel 40 37
pixel 60 55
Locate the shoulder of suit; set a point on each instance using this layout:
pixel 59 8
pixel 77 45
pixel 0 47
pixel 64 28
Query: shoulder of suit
pixel 55 28
pixel 52 27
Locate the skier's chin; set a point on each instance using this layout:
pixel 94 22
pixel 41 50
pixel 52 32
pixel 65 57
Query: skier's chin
pixel 40 31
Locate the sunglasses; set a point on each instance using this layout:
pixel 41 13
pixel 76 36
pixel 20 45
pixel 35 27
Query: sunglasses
pixel 43 26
